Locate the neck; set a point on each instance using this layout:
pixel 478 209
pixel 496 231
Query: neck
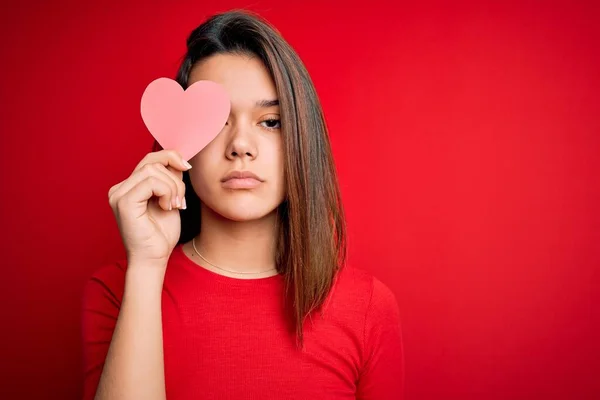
pixel 247 246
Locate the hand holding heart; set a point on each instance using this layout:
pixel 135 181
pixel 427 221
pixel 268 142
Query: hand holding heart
pixel 146 204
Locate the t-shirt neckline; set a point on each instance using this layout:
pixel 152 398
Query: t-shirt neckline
pixel 209 274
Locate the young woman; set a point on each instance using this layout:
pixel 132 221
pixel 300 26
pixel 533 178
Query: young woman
pixel 235 284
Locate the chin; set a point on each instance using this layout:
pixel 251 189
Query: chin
pixel 243 208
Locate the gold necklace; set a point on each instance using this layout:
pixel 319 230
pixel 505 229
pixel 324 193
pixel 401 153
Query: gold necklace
pixel 223 269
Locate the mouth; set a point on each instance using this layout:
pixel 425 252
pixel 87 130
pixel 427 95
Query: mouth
pixel 241 180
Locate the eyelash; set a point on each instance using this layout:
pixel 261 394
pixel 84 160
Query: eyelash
pixel 272 120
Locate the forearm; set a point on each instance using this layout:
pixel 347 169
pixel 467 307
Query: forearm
pixel 134 367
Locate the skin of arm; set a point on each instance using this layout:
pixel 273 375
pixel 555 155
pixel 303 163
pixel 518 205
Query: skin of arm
pixel 134 367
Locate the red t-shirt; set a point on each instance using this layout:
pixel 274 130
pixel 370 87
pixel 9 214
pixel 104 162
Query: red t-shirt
pixel 228 338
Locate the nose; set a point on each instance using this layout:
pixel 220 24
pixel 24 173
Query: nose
pixel 241 144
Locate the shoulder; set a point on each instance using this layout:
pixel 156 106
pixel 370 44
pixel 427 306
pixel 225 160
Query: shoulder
pixel 109 271
pixel 383 300
pixel 362 300
pixel 381 352
pixel 355 281
pixel 363 286
pixel 106 284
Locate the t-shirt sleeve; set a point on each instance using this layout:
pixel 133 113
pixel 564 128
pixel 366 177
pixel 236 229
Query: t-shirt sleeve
pixel 382 374
pixel 101 302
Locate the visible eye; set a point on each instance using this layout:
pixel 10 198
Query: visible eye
pixel 272 123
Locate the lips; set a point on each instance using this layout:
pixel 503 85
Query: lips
pixel 241 180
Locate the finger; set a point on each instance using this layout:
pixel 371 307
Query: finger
pixel 167 158
pixel 143 191
pixel 147 171
pixel 178 185
pixel 113 189
pixel 177 176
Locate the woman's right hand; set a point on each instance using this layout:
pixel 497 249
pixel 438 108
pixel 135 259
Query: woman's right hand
pixel 146 206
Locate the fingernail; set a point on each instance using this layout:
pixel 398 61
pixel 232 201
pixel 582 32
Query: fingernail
pixel 177 202
pixel 183 204
pixel 187 164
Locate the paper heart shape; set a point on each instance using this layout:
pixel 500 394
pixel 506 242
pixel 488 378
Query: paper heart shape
pixel 184 120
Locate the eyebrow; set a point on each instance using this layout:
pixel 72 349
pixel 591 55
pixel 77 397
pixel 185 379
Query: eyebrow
pixel 267 103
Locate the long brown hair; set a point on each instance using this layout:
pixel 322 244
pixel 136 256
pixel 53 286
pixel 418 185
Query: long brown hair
pixel 311 245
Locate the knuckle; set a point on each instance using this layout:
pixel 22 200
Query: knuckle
pixel 174 155
pixel 156 183
pixel 156 167
pixel 148 168
pixel 112 194
pixel 152 180
pixel 145 160
pixel 121 204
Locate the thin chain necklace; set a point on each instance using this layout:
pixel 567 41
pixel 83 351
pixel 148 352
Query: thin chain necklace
pixel 223 269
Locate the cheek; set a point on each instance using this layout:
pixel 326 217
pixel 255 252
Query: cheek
pixel 202 170
pixel 276 149
pixel 202 159
pixel 277 163
pixel 210 158
pixel 273 159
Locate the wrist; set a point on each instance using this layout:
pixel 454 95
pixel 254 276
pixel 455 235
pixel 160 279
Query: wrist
pixel 146 274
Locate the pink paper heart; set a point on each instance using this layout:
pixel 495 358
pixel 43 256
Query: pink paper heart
pixel 188 120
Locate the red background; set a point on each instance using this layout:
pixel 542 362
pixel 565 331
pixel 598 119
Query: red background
pixel 466 138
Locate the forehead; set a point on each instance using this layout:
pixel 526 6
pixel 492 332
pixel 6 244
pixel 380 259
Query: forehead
pixel 245 78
